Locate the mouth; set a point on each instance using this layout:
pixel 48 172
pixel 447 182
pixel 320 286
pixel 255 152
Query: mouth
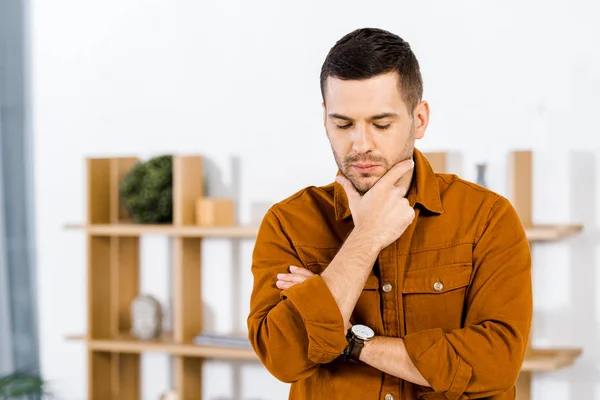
pixel 365 168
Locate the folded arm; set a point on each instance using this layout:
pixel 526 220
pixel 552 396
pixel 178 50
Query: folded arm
pixel 295 330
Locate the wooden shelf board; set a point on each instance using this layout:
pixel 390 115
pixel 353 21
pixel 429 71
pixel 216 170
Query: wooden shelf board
pixel 166 345
pixel 540 233
pixel 76 337
pixel 168 230
pixel 534 233
pixel 536 360
pixel 549 359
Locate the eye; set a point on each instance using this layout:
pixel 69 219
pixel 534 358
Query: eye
pixel 344 126
pixel 382 127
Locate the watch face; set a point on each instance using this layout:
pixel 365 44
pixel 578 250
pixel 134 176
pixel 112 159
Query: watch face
pixel 363 332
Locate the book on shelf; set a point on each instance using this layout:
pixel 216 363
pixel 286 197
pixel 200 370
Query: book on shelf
pixel 208 339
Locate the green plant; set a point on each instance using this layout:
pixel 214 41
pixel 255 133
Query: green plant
pixel 146 191
pixel 23 386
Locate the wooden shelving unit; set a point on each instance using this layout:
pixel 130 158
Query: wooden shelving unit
pixel 113 279
pixel 113 282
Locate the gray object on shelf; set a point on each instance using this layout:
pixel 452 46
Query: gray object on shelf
pixel 146 317
pixel 481 170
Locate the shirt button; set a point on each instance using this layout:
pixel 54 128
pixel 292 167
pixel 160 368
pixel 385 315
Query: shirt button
pixel 389 396
pixel 387 287
pixel 438 286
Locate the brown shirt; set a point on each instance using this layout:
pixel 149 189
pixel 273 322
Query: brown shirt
pixel 456 286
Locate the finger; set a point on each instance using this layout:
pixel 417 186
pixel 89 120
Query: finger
pixel 292 278
pixel 284 285
pixel 395 173
pixel 301 271
pixel 351 192
pixel 404 184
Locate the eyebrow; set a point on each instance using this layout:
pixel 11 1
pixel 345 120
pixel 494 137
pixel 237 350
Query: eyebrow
pixel 374 117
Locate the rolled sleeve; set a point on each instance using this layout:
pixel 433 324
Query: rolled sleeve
pixel 428 350
pixel 484 357
pixel 322 319
pixel 296 330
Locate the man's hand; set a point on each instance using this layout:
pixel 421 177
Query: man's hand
pixel 296 275
pixel 383 213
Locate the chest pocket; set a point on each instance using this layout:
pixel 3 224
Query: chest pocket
pixel 435 297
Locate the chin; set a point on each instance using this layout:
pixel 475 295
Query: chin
pixel 364 184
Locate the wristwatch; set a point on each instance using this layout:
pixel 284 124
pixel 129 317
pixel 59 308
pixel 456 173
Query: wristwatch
pixel 357 336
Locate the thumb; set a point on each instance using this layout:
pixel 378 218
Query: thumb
pixel 351 192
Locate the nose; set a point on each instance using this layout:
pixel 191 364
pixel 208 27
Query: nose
pixel 362 141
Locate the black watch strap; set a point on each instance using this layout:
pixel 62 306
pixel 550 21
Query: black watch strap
pixel 354 348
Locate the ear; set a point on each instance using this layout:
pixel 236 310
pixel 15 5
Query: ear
pixel 421 119
pixel 324 114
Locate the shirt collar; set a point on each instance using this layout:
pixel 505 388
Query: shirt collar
pixel 424 190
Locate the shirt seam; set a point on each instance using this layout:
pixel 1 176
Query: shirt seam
pixel 399 295
pixel 439 247
pixel 296 195
pixel 279 220
pixel 458 179
pixel 487 221
pixel 312 348
pixel 316 246
pixel 458 368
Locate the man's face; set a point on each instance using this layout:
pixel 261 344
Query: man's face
pixel 370 127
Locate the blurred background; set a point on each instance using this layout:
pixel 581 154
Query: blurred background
pixel 238 83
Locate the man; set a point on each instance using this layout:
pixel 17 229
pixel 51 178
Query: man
pixel 393 282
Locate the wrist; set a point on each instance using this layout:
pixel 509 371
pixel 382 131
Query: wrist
pixel 358 336
pixel 366 349
pixel 366 239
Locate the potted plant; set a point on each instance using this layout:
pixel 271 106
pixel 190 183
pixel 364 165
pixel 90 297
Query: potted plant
pixel 146 191
pixel 23 386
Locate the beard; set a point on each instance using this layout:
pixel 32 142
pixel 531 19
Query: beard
pixel 363 182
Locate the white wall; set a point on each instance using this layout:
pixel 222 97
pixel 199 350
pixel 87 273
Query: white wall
pixel 240 79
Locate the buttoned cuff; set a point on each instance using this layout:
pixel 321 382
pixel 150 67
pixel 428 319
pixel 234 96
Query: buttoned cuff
pixel 322 319
pixel 438 362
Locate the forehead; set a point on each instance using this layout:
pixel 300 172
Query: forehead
pixel 370 96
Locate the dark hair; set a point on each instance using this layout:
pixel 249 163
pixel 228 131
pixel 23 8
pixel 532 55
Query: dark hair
pixel 368 52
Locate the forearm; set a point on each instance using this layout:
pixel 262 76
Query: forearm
pixel 280 341
pixel 389 355
pixel 348 271
pixel 299 332
pixel 479 360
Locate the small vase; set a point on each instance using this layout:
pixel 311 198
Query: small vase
pixel 481 180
